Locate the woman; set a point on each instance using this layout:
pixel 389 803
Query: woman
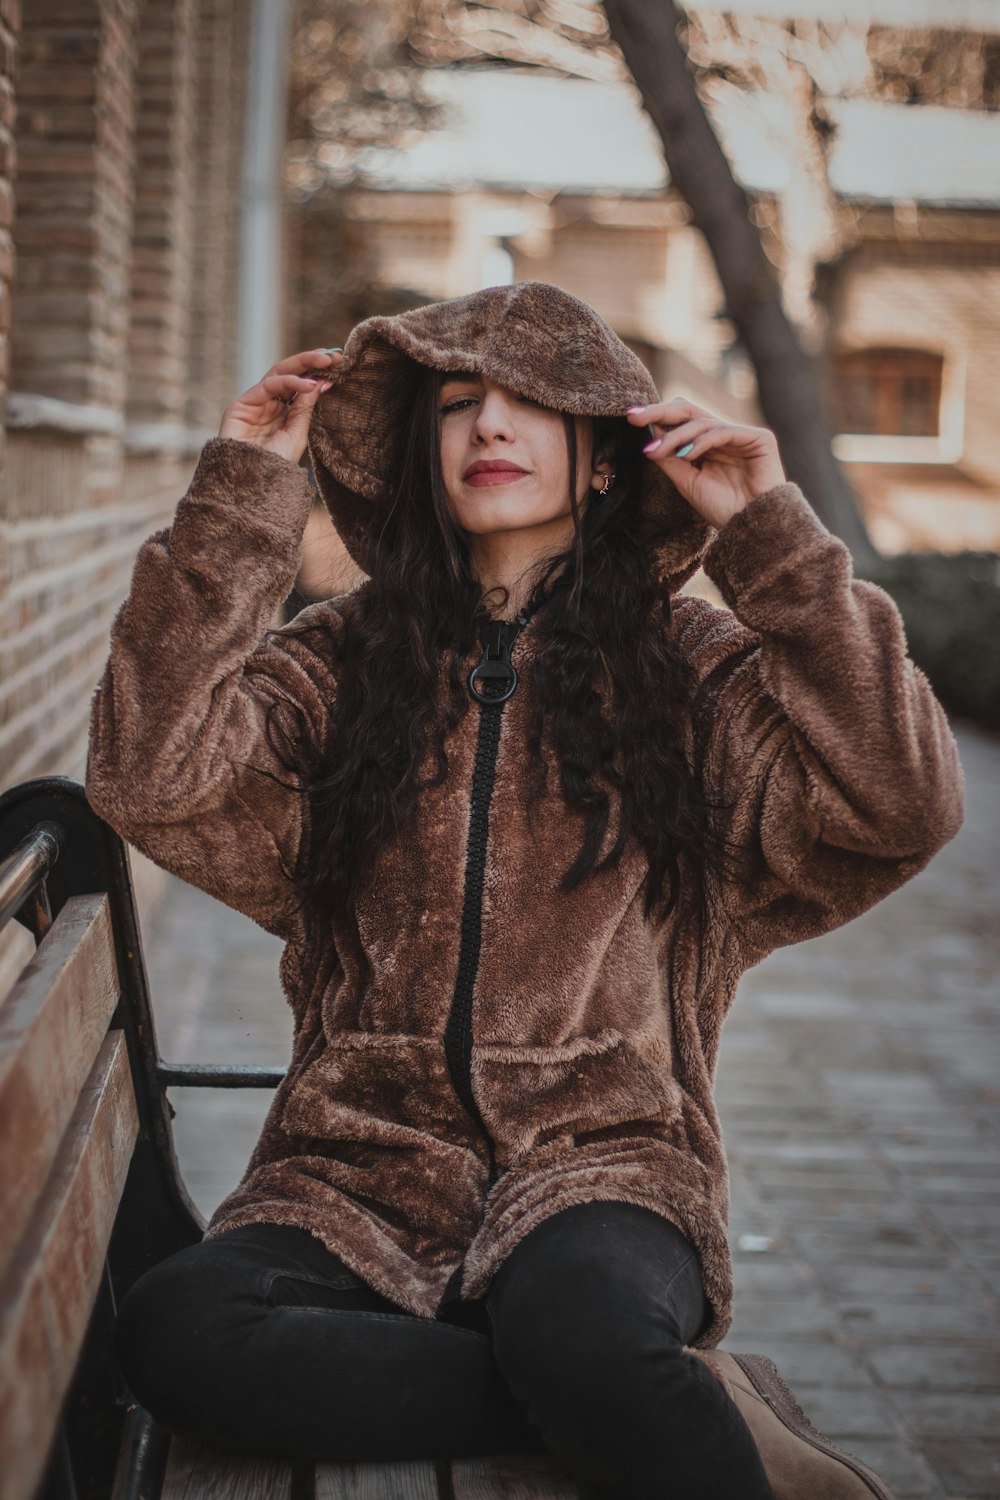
pixel 522 814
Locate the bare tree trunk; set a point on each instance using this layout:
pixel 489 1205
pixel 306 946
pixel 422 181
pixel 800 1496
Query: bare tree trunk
pixel 646 33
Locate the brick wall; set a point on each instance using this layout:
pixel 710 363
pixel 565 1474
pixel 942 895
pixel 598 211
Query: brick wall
pixel 162 232
pixel 10 18
pixel 119 260
pixel 75 102
pixel 72 229
pixel 9 27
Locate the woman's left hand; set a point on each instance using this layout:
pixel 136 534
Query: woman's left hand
pixel 727 465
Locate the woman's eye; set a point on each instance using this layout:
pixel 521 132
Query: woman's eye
pixel 457 405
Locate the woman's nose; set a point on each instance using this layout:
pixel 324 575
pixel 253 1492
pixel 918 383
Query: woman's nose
pixel 495 417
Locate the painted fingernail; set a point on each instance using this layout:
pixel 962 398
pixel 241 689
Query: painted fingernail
pixel 683 452
pixel 336 350
pixel 630 409
pixel 650 446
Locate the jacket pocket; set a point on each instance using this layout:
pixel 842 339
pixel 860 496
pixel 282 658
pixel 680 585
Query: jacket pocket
pixel 374 1088
pixel 599 1084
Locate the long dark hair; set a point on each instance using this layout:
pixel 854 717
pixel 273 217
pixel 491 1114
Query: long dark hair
pixel 609 681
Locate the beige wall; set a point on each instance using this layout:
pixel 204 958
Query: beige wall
pixel 124 335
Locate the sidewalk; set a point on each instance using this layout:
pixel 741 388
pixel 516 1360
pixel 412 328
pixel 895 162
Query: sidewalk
pixel 859 1087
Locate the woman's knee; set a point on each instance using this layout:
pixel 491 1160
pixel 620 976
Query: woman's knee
pixel 179 1327
pixel 595 1292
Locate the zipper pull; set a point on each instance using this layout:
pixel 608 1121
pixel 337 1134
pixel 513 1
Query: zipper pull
pixel 494 677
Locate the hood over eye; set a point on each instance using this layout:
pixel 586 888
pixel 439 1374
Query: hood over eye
pixel 533 338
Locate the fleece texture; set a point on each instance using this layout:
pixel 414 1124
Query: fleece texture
pixel 595 1037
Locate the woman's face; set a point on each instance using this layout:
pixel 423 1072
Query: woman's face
pixel 485 425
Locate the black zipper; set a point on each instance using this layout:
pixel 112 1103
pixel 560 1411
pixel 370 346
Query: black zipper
pixel 491 682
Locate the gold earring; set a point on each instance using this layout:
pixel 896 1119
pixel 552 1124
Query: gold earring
pixel 608 481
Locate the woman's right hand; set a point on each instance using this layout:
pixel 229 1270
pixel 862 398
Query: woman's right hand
pixel 275 412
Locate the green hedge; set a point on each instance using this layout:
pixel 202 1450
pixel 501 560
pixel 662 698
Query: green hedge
pixel 950 603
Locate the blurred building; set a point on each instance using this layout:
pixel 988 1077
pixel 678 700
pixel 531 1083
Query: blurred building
pixel 563 180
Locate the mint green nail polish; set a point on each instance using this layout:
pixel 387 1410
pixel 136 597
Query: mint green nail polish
pixel 683 452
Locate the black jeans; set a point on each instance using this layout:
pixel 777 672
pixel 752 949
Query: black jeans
pixel 262 1340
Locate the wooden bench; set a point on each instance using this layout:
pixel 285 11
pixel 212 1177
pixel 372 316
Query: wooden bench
pixel 91 1197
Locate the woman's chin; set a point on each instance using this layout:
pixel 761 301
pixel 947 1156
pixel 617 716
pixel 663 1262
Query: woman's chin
pixel 505 513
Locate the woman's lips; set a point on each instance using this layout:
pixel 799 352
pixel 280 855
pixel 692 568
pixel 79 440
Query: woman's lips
pixel 496 476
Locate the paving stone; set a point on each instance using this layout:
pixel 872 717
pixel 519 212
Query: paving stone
pixel 744 1199
pixel 966 1467
pixel 815 1361
pixel 753 1091
pixel 906 1283
pixel 804 1153
pixel 844 1413
pixel 825 1205
pixel 833 1006
pixel 949 1413
pixel 815 1179
pixel 916 1320
pixel 987 1276
pixel 881 1244
pixel 214 1133
pixel 934 1366
pixel 966 1218
pixel 948 1146
pixel 767 1272
pixel 891 1221
pixel 791 1314
pixel 749 1122
pixel 957 1188
pixel 901 1465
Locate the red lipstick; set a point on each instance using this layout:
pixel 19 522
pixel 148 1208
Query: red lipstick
pixel 492 471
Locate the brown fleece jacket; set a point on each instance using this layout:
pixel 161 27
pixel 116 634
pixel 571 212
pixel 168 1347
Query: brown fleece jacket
pixel 594 1036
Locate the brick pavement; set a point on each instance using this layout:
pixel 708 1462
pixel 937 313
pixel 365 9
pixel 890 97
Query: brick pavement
pixel 860 1095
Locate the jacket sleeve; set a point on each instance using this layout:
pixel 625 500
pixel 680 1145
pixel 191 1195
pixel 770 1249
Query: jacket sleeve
pixel 832 761
pixel 181 761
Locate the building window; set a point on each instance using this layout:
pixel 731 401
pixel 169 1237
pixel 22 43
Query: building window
pixel 890 392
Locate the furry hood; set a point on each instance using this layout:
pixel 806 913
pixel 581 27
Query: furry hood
pixel 533 338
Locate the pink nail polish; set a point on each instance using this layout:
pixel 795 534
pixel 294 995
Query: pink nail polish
pixel 650 446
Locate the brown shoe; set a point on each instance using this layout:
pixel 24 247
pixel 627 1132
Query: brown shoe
pixel 800 1463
